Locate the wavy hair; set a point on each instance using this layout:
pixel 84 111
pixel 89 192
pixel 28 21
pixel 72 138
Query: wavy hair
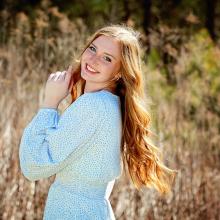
pixel 142 160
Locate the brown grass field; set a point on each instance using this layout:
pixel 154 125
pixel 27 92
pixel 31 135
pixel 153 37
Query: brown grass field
pixel 186 119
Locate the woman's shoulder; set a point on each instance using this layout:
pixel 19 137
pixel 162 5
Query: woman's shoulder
pixel 98 98
pixel 91 103
pixel 90 100
pixel 88 103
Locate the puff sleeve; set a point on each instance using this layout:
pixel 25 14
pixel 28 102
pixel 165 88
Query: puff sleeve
pixel 50 141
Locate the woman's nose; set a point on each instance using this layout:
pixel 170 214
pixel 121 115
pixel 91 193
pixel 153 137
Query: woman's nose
pixel 95 58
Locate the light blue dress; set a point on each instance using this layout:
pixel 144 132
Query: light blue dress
pixel 82 147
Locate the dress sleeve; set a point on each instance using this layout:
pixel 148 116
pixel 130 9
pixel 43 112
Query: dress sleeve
pixel 50 141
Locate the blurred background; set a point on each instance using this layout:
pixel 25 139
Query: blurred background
pixel 181 66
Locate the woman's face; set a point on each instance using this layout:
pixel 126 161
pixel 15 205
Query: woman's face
pixel 100 62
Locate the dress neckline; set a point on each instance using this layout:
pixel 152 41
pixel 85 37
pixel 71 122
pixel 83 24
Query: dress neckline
pixel 106 91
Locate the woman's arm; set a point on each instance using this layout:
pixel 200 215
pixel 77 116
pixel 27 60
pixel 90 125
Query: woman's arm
pixel 50 142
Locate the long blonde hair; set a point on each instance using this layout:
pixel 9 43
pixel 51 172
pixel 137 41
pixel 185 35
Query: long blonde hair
pixel 141 159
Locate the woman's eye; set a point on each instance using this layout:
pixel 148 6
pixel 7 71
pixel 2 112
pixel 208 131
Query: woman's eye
pixel 91 48
pixel 108 59
pixel 94 49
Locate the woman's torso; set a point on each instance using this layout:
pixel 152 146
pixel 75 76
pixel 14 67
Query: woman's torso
pixel 82 189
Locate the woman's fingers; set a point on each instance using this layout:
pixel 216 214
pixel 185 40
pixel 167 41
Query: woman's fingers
pixel 69 73
pixel 57 76
pixel 51 76
pixel 62 75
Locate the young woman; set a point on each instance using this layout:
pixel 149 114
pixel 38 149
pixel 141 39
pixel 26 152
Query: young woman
pixel 106 124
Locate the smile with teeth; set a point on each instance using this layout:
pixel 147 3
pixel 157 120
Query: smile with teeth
pixel 90 69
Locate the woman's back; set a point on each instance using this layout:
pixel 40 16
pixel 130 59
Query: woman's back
pixel 82 147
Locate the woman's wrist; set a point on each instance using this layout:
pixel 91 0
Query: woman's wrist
pixel 47 104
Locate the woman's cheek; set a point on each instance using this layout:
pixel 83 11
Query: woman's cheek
pixel 86 55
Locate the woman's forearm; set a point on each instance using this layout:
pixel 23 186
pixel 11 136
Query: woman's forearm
pixel 49 104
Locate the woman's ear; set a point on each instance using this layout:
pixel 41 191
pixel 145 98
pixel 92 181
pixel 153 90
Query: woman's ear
pixel 119 75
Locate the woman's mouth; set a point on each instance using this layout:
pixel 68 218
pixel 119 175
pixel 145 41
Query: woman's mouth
pixel 89 69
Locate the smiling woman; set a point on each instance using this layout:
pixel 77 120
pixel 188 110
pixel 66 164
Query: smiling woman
pixel 101 62
pixel 105 126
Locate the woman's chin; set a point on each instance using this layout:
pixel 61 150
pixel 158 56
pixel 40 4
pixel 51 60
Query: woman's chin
pixel 85 75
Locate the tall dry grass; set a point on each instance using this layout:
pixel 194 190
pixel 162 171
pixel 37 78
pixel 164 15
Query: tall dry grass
pixel 185 117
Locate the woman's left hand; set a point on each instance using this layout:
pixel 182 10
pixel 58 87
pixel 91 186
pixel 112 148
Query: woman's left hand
pixel 57 88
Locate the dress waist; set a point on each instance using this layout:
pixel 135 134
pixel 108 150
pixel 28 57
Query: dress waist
pixel 91 192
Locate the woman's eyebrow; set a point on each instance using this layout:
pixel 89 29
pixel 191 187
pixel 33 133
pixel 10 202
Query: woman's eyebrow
pixel 104 52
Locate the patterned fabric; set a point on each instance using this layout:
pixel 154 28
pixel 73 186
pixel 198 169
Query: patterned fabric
pixel 82 147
